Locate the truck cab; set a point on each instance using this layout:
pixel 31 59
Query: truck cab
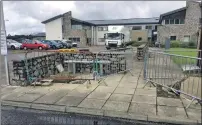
pixel 114 40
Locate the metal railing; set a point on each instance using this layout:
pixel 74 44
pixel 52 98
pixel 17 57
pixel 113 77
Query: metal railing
pixel 178 73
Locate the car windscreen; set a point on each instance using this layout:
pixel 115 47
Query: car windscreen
pixel 54 42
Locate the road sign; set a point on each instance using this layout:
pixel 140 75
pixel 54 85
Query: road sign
pixel 3 43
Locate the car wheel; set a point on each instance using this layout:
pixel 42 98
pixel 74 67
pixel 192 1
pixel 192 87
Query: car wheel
pixel 40 48
pixel 25 48
pixel 13 47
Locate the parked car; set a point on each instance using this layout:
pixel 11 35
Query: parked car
pixel 12 44
pixel 52 44
pixel 73 44
pixel 34 44
pixel 65 45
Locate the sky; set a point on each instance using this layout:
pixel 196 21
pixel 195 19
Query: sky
pixel 25 17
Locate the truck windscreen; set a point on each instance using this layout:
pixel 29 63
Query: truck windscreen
pixel 113 36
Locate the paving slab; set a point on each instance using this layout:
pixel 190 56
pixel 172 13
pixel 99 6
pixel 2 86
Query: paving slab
pixel 7 90
pixel 114 78
pixel 127 85
pixel 148 86
pixel 92 103
pixel 105 89
pixel 116 106
pixel 28 97
pixel 57 86
pixel 52 97
pixel 148 92
pixel 70 101
pixel 99 95
pixel 169 102
pixel 124 91
pixel 109 84
pixel 130 79
pixel 87 87
pixel 120 97
pixel 194 104
pixel 78 93
pixel 167 111
pixel 40 90
pixel 194 114
pixel 142 109
pixel 144 99
pixel 48 107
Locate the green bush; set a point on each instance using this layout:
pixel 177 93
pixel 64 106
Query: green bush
pixel 184 45
pixel 175 44
pixel 192 44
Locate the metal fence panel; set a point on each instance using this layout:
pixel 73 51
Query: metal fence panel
pixel 181 74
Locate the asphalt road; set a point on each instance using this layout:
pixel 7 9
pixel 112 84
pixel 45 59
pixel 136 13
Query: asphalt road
pixel 11 116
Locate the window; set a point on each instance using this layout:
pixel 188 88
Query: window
pixel 171 21
pixel 166 21
pixel 148 27
pixel 101 40
pixel 63 28
pixel 177 21
pixel 76 39
pixel 181 21
pixel 136 27
pixel 139 39
pixel 103 28
pixel 186 38
pixel 172 37
pixel 100 28
pixel 77 27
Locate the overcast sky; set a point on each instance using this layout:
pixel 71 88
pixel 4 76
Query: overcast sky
pixel 25 17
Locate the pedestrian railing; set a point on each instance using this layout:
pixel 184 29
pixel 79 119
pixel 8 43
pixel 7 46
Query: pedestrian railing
pixel 178 73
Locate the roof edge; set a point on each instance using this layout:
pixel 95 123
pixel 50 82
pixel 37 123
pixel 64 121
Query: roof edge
pixel 51 19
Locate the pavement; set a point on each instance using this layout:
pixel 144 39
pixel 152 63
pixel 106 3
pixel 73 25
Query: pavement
pixel 118 96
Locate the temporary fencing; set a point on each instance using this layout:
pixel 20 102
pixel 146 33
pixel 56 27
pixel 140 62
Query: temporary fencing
pixel 178 73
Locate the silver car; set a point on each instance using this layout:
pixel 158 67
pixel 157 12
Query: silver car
pixel 12 44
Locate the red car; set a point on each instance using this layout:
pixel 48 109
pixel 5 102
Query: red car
pixel 35 44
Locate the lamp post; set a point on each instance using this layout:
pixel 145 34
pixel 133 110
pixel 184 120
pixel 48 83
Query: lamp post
pixel 3 43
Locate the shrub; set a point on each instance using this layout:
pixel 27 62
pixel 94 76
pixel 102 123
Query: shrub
pixel 175 44
pixel 192 44
pixel 184 45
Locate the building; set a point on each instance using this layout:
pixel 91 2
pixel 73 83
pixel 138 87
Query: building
pixel 39 36
pixel 182 24
pixel 64 26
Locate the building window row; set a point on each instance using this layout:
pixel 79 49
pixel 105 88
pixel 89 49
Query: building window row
pixel 104 28
pixel 137 28
pixel 75 39
pixel 174 21
pixel 77 27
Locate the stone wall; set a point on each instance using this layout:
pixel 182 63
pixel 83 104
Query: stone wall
pixel 44 66
pixel 37 67
pixel 193 13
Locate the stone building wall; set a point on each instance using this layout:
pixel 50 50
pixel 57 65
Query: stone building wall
pixel 193 13
pixel 68 32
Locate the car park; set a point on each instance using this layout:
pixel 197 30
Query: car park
pixel 34 44
pixel 52 44
pixel 12 44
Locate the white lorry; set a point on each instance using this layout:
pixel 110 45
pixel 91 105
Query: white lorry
pixel 117 36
